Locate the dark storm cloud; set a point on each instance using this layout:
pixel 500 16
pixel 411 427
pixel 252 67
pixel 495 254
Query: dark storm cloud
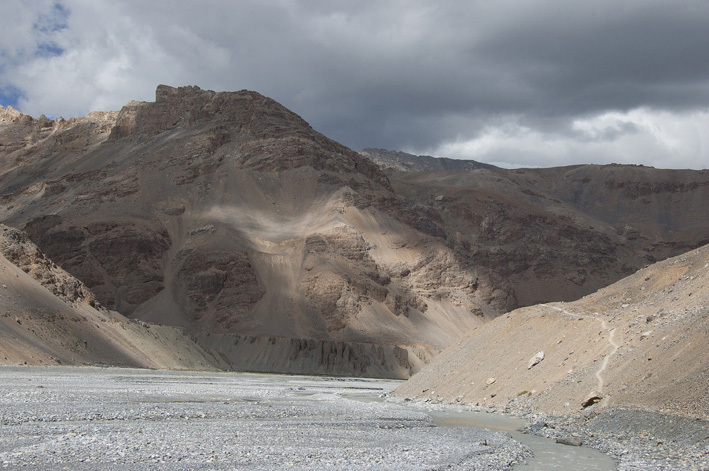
pixel 462 77
pixel 545 63
pixel 610 57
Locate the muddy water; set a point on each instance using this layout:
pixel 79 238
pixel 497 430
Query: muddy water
pixel 548 455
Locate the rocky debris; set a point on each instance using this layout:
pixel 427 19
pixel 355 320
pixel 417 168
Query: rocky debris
pixel 591 399
pixel 636 439
pixel 539 356
pixel 571 441
pixel 16 246
pixel 160 420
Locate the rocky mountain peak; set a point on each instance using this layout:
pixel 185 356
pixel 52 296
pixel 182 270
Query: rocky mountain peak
pixel 185 107
pixel 226 213
pixel 10 114
pixel 261 133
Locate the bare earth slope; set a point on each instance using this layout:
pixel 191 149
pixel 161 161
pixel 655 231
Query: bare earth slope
pixel 226 214
pixel 49 317
pixel 639 343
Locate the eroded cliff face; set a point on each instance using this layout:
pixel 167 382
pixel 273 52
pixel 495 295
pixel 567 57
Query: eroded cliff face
pixel 228 215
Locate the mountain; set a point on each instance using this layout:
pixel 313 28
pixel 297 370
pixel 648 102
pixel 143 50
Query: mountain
pixel 227 215
pixel 49 317
pixel 639 343
pixel 558 234
pixel 397 161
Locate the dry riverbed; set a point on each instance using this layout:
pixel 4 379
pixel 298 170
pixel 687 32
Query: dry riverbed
pixel 57 418
pixel 89 418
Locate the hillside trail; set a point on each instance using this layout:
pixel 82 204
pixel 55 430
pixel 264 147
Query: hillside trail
pixel 610 339
pixel 604 364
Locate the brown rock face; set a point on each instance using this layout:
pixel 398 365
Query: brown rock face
pixel 227 214
pixel 17 248
pixel 122 263
pixel 48 317
pixel 220 285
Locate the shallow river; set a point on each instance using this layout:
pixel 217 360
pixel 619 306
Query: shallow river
pixel 548 455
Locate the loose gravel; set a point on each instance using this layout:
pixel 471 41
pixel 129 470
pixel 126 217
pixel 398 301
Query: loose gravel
pixel 62 418
pixel 639 440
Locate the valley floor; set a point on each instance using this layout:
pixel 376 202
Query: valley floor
pixel 86 418
pixel 57 418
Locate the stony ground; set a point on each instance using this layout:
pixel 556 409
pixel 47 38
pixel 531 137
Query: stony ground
pixel 57 418
pixel 639 440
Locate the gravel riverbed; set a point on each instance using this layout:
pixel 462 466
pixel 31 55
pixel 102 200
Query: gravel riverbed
pixel 57 418
pixel 639 440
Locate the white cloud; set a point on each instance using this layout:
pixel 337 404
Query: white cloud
pixel 657 138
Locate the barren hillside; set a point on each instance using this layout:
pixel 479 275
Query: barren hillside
pixel 49 317
pixel 639 343
pixel 560 233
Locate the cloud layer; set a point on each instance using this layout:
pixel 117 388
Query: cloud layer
pixel 518 83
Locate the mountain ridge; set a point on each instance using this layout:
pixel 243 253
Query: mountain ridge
pixel 399 161
pixel 226 214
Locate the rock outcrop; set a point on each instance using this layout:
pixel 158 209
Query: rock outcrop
pixel 395 161
pixel 48 317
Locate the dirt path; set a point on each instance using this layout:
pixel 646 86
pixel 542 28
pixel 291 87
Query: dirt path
pixel 604 364
pixel 611 341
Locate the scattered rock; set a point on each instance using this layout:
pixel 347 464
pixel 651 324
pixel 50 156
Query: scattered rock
pixel 591 399
pixel 571 441
pixel 535 359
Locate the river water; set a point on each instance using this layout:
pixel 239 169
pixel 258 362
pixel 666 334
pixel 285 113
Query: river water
pixel 548 455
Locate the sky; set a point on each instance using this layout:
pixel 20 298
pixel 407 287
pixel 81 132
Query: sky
pixel 516 83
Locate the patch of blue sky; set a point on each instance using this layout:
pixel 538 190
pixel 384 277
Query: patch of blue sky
pixel 56 19
pixel 9 96
pixel 48 50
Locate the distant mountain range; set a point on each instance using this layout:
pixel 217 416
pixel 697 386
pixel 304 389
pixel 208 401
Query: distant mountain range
pixel 403 162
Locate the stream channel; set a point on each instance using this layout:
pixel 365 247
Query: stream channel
pixel 548 455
